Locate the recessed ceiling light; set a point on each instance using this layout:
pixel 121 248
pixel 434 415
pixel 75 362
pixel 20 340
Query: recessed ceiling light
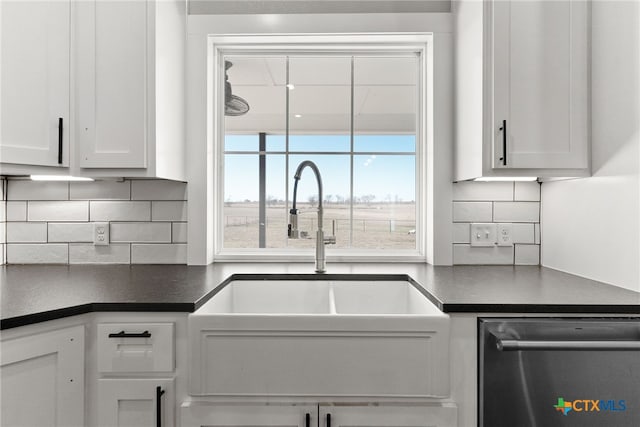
pixel 297 116
pixel 58 178
pixel 290 86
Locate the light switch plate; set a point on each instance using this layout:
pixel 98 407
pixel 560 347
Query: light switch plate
pixel 100 233
pixel 483 234
pixel 505 235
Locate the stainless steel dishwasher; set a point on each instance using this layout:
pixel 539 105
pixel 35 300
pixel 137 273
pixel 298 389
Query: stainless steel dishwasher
pixel 546 372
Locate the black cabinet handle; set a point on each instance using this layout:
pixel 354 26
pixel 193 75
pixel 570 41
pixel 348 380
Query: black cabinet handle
pixel 123 334
pixel 328 420
pixel 159 393
pixel 504 143
pixel 60 128
pixel 307 420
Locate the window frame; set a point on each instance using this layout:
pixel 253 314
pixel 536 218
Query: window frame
pixel 316 44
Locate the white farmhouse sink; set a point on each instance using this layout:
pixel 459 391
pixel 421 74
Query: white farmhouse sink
pixel 319 338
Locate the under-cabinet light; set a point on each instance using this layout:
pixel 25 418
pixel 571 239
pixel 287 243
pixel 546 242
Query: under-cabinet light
pixel 290 86
pixel 297 116
pixel 507 178
pixel 59 178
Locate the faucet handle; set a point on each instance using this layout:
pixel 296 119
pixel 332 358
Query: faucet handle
pixel 292 229
pixel 330 240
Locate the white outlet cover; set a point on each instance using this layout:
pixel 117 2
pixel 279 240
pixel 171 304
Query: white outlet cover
pixel 505 235
pixel 100 233
pixel 483 234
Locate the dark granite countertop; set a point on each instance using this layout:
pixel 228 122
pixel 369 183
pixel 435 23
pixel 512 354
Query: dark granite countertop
pixel 36 293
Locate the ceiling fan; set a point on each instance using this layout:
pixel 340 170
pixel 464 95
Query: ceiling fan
pixel 233 104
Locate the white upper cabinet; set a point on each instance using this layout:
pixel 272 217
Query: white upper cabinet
pixel 522 104
pixel 130 88
pixel 101 82
pixel 34 91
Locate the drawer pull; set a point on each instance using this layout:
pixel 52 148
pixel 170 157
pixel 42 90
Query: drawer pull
pixel 307 420
pixel 159 393
pixel 328 420
pixel 123 334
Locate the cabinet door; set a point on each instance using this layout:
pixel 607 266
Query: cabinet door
pixel 42 379
pixel 136 402
pixel 435 415
pixel 199 414
pixel 540 64
pixel 34 90
pixel 113 83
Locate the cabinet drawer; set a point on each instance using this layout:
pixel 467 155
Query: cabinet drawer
pixel 135 347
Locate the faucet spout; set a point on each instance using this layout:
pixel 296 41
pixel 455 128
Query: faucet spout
pixel 293 232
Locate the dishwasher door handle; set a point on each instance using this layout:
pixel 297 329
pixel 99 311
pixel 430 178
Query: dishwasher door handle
pixel 504 344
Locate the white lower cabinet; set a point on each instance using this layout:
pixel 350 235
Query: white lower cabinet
pixel 200 414
pixel 135 372
pixel 435 415
pixel 42 377
pixel 136 402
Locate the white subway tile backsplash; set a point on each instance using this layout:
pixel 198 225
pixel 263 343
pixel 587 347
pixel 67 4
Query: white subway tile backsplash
pixel 87 253
pixel 100 190
pixel 35 253
pixel 168 211
pixel 472 211
pixel 527 254
pixel 517 203
pixel 141 232
pixel 120 211
pixel 482 191
pixel 461 232
pixel 527 192
pixel 26 232
pixel 57 211
pixel 158 253
pixel 179 232
pixel 496 255
pixel 158 190
pixel 516 212
pixel 522 233
pixel 37 190
pixel 3 211
pixel 16 211
pixel 48 222
pixel 71 232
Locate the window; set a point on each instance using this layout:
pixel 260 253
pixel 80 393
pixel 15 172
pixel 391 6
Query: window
pixel 356 114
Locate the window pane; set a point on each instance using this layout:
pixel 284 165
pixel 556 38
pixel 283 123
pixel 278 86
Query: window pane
pixel 276 142
pixel 334 170
pixel 241 142
pixel 384 210
pixel 241 207
pixel 385 143
pixel 319 143
pixel 319 103
pixel 385 96
pixel 260 81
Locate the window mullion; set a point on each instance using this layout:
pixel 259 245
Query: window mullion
pixel 351 158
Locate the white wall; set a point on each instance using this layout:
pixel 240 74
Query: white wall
pixel 591 227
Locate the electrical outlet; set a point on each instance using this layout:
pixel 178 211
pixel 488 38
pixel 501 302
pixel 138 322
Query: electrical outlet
pixel 100 233
pixel 505 235
pixel 483 234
